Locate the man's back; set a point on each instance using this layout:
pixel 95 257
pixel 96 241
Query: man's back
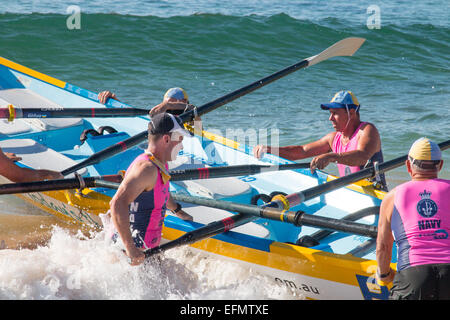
pixel 421 222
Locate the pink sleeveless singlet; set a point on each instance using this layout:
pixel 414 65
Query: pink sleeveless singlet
pixel 421 222
pixel 148 210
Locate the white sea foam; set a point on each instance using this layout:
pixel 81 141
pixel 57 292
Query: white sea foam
pixel 76 267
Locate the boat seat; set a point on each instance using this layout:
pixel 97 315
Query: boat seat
pixel 38 156
pixel 3 103
pixel 205 215
pixel 217 188
pixel 184 162
pixel 53 124
pixel 11 127
pixel 14 127
pixel 25 98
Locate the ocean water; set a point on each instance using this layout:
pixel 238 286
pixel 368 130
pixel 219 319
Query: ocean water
pixel 139 49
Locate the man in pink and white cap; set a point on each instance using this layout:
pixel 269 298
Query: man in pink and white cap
pixel 175 101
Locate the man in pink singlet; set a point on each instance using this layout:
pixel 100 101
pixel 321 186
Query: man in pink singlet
pixel 139 205
pixel 352 146
pixel 416 215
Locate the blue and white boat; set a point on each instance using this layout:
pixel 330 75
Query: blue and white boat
pixel 335 265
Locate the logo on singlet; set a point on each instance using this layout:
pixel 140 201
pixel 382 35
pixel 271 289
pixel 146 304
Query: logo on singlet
pixel 134 206
pixel 347 170
pixel 426 207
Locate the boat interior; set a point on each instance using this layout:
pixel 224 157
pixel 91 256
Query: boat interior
pixel 57 144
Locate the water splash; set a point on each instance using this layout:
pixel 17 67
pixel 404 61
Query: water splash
pixel 89 267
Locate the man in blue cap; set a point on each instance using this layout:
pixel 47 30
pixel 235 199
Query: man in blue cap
pixel 352 146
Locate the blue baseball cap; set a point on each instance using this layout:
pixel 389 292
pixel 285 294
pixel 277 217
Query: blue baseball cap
pixel 342 99
pixel 176 93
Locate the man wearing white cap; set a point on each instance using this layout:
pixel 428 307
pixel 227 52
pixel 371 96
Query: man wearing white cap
pixel 175 101
pixel 416 215
pixel 139 205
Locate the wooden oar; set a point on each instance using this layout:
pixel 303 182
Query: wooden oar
pixel 107 181
pixel 270 211
pixel 345 47
pixel 12 113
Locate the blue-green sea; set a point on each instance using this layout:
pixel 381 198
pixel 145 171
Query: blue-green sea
pixel 140 48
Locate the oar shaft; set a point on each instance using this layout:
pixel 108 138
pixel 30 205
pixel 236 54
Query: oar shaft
pixel 108 152
pixel 187 116
pixel 337 225
pixel 60 184
pixel 230 171
pixel 18 113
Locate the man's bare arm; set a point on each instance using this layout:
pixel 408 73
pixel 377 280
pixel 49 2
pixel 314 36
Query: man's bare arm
pixel 385 239
pixel 312 149
pixel 13 172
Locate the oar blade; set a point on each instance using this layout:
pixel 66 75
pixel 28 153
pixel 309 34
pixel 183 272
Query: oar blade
pixel 344 48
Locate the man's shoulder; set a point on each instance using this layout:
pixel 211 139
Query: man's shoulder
pixel 367 126
pixel 330 136
pixel 145 169
pixel 442 180
pixel 369 130
pixel 390 196
pixel 146 165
